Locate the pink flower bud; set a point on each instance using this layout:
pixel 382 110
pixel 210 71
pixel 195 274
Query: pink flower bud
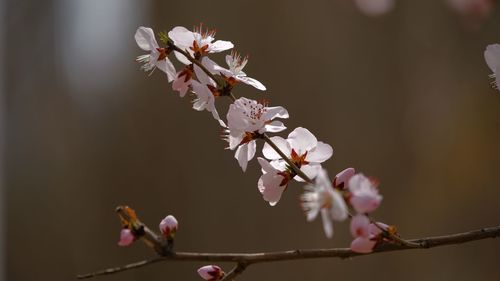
pixel 211 272
pixel 168 226
pixel 362 245
pixel 342 178
pixel 126 237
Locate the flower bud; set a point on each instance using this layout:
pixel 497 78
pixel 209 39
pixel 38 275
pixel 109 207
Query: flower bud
pixel 211 272
pixel 168 226
pixel 126 237
pixel 341 179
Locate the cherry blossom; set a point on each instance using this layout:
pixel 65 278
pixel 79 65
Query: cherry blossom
pixel 364 194
pixel 197 43
pixel 126 237
pixel 246 120
pixel 273 182
pixel 168 226
pixel 368 237
pixel 341 179
pixel 322 197
pixel 211 272
pixel 235 72
pixel 492 57
pixel 303 149
pixel 157 57
pixel 205 90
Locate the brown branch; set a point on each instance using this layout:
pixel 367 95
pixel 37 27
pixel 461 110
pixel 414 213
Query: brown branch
pixel 245 259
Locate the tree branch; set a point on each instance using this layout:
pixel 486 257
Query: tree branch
pixel 245 259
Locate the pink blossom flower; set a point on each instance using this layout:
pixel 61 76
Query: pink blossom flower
pixel 374 7
pixel 168 226
pixel 235 72
pixel 211 272
pixel 322 197
pixel 157 57
pixel 492 57
pixel 303 149
pixel 126 237
pixel 197 43
pixel 365 241
pixel 364 194
pixel 273 181
pixel 341 179
pixel 246 119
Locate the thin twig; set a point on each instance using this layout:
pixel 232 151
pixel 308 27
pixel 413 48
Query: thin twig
pixel 237 270
pixel 247 259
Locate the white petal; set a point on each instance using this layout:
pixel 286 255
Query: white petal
pixel 181 36
pixel 252 82
pixel 202 76
pixel 310 170
pixel 492 56
pixel 241 155
pixel 145 38
pixel 281 143
pixel 209 64
pixel 166 66
pixel 219 46
pixel 180 57
pixel 327 223
pixel 339 208
pixel 225 72
pixel 273 127
pixel 275 112
pixel 269 186
pixel 302 140
pixel 252 147
pixel 320 153
pixel 266 166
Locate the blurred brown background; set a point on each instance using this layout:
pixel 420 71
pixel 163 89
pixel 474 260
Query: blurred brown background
pixel 404 97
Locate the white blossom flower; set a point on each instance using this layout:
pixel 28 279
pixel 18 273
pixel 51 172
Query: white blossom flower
pixel 322 197
pixel 246 119
pixel 273 181
pixel 492 57
pixel 197 43
pixel 157 57
pixel 235 72
pixel 303 149
pixel 364 194
pixel 205 90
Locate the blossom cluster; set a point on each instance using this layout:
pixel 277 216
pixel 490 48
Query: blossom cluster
pixel 298 157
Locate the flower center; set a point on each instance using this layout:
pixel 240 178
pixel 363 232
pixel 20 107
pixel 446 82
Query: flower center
pixel 297 159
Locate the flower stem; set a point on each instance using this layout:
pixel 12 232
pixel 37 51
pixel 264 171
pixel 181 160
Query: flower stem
pixel 287 160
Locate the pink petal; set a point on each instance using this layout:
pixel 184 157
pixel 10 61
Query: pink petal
pixel 281 143
pixel 360 226
pixel 342 178
pixel 362 245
